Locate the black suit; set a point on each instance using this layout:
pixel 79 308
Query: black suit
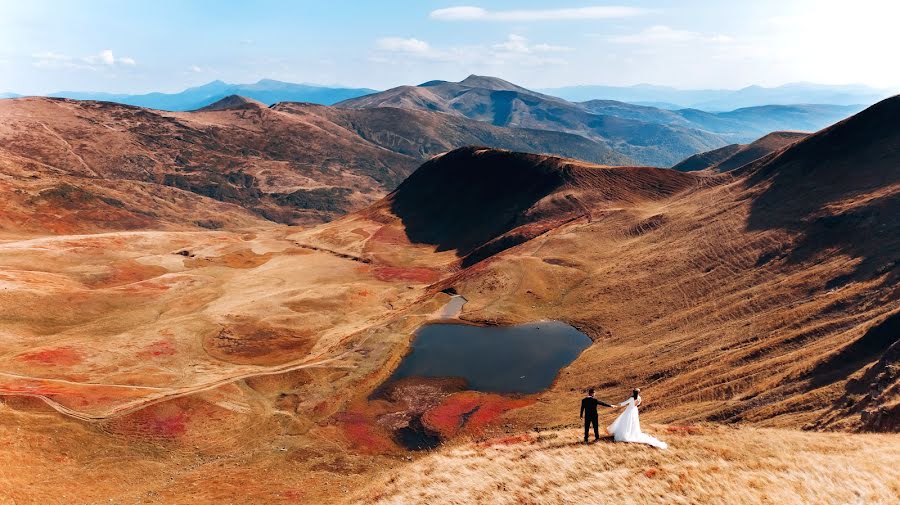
pixel 589 413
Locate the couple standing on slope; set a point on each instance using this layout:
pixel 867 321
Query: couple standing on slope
pixel 626 427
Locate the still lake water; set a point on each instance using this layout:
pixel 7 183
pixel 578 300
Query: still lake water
pixel 497 359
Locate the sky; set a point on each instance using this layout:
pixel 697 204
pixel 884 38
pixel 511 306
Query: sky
pixel 130 46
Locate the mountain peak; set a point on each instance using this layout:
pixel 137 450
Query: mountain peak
pixel 233 102
pixel 488 82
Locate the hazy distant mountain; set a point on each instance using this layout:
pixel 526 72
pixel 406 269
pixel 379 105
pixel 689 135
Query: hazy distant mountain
pixel 740 125
pixel 650 135
pixel 502 103
pixel 725 99
pixel 9 95
pixel 266 91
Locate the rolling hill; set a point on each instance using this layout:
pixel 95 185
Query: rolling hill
pixel 501 103
pixel 733 156
pixel 112 166
pixel 649 135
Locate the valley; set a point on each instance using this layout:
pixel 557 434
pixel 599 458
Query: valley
pixel 147 354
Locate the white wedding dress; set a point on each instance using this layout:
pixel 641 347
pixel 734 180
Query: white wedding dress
pixel 627 427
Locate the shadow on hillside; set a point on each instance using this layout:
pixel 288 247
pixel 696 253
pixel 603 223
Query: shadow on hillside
pixel 467 198
pixel 802 190
pixel 872 345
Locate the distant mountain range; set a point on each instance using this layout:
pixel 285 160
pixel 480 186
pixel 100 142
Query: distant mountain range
pixel 649 135
pixel 739 125
pixel 600 131
pixel 267 91
pixel 725 99
pixel 270 91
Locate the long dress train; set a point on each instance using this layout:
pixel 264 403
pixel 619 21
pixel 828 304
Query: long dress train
pixel 627 427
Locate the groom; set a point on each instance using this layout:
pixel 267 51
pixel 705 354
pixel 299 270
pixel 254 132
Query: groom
pixel 589 413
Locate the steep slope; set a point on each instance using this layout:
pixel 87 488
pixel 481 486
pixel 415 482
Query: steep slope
pixel 478 201
pixel 501 103
pixel 735 155
pixel 702 161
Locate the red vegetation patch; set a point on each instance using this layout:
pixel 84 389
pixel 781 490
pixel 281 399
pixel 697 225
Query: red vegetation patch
pixel 36 388
pixel 469 410
pixel 651 472
pixel 409 274
pixel 162 421
pixel 158 349
pixel 125 272
pixel 364 435
pixel 58 356
pixel 390 235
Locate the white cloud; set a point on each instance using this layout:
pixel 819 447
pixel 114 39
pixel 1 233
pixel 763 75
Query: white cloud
pixel 516 49
pixel 401 45
pixel 664 34
pixel 469 13
pixel 196 69
pixel 519 44
pixel 514 43
pixel 547 48
pixel 106 57
pixel 51 59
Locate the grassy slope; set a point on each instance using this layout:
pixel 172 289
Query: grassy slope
pixel 705 464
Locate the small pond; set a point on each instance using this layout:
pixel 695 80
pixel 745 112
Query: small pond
pixel 496 359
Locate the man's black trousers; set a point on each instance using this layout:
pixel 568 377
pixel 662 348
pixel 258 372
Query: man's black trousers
pixel 588 421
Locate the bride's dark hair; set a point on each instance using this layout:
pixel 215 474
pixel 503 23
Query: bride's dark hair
pixel 635 392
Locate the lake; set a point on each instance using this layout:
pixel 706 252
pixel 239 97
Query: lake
pixel 498 359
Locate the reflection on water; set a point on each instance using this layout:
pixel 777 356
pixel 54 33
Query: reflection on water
pixel 498 359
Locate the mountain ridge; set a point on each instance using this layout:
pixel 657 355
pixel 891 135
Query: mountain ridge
pixel 268 91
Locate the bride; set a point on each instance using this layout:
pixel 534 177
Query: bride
pixel 627 427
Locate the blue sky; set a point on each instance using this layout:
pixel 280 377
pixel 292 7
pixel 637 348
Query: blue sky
pixel 131 46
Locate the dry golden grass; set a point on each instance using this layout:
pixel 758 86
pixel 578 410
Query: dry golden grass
pixel 705 464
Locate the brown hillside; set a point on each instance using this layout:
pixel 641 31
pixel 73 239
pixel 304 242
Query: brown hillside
pixel 293 163
pixel 737 294
pixel 488 200
pixel 199 366
pixel 734 156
